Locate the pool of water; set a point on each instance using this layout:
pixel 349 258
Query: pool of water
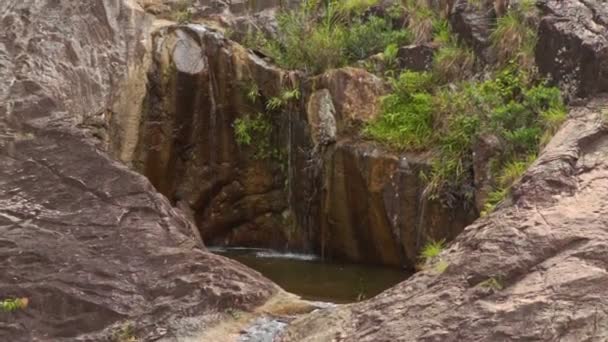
pixel 309 277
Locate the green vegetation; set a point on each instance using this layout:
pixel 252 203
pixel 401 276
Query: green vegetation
pixel 441 266
pixel 429 257
pixel 254 128
pixel 283 99
pixel 318 36
pixel 494 283
pixel 432 249
pixel 10 305
pixel 421 113
pixel 514 38
pixel 181 12
pixel 125 333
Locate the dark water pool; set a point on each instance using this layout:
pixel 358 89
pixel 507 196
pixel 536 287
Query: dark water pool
pixel 309 277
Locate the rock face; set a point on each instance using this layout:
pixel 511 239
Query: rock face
pixel 573 45
pixel 89 242
pixel 200 86
pixel 374 207
pixel 533 270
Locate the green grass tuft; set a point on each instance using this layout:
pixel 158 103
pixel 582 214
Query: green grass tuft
pixel 432 249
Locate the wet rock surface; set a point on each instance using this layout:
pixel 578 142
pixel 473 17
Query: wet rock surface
pixel 199 86
pixel 91 244
pixel 533 270
pixel 375 209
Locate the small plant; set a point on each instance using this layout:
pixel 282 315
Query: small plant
pixel 10 305
pixel 252 92
pixel 453 62
pixel 181 12
pixel 125 333
pixel 493 283
pixel 355 7
pixel 513 170
pixel 390 55
pixel 235 314
pixel 432 249
pixel 250 128
pixel 441 266
pixel 604 115
pixel 316 37
pixel 277 102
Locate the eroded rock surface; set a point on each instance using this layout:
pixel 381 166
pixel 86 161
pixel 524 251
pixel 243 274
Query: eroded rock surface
pixel 375 209
pixel 534 270
pixel 573 45
pixel 89 242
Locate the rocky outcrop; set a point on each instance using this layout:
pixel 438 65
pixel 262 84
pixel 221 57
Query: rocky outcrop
pixel 573 45
pixel 533 270
pixel 474 24
pixel 90 243
pixel 375 209
pixel 200 85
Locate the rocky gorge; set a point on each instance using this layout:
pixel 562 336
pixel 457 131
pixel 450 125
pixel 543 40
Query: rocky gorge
pixel 121 154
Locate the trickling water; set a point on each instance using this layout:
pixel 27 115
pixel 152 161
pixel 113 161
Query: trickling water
pixel 306 275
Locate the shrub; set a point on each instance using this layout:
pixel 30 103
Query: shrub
pixel 406 122
pixel 421 114
pixel 422 20
pixel 314 39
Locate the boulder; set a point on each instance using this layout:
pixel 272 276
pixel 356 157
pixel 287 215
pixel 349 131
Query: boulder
pixel 92 245
pixel 416 57
pixel 474 25
pixel 356 95
pixel 573 45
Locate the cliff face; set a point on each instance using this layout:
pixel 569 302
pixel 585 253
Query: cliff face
pixel 90 243
pixel 305 181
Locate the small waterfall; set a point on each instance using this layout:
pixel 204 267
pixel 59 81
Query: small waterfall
pixel 420 225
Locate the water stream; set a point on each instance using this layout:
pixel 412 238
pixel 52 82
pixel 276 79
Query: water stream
pixel 309 277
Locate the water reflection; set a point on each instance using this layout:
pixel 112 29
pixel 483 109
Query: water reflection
pixel 312 279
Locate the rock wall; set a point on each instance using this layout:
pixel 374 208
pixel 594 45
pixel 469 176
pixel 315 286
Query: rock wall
pixel 375 209
pixel 533 270
pixel 90 243
pixel 325 190
pixel 198 86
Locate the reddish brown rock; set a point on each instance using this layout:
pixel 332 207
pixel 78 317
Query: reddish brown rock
pixel 90 243
pixel 573 45
pixel 375 209
pixel 533 270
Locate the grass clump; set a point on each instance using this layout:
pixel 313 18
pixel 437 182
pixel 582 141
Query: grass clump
pixel 125 333
pixel 514 37
pixel 407 113
pixel 181 12
pixel 316 37
pixel 13 304
pixel 493 283
pixel 432 249
pixel 423 114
